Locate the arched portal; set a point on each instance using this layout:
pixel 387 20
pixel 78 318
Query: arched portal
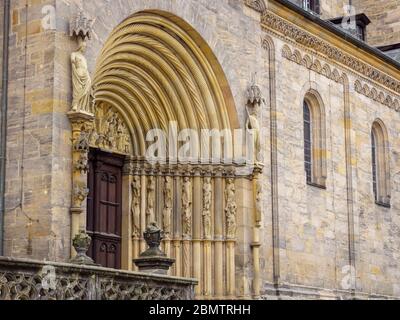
pixel 153 70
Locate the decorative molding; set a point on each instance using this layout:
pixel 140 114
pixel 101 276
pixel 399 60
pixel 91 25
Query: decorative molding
pixel 377 95
pixel 313 64
pixel 289 30
pixel 258 5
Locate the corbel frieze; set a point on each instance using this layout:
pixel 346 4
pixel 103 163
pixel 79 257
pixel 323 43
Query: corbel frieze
pixel 313 64
pixel 257 5
pixel 287 30
pixel 377 95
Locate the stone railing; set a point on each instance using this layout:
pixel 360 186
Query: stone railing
pixel 33 280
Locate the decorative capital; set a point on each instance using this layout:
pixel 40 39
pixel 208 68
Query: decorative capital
pixel 254 95
pixel 81 26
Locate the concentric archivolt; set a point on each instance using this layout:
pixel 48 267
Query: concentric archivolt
pixel 155 69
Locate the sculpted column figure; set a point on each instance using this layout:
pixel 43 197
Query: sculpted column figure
pixel 187 199
pixel 207 207
pixel 151 193
pixel 135 211
pixel 81 117
pixel 167 213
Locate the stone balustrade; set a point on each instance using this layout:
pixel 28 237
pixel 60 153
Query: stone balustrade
pixel 33 280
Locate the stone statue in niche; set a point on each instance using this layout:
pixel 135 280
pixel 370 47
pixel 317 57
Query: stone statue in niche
pixel 81 80
pixel 230 209
pixel 135 206
pixel 151 193
pixel 187 199
pixel 167 212
pixel 207 203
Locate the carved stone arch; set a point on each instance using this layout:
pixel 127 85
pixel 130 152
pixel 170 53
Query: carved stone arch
pixel 306 61
pixel 296 56
pixel 358 86
pixel 286 52
pixel 316 66
pixel 258 5
pixel 326 71
pixel 155 70
pixel 373 94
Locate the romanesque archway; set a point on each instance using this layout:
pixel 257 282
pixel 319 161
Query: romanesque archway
pixel 153 70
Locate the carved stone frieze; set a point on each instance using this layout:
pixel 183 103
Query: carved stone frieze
pixel 110 131
pixel 313 64
pixel 258 5
pixel 270 21
pixel 377 95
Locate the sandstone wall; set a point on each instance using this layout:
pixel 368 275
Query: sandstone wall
pixel 313 223
pixel 384 14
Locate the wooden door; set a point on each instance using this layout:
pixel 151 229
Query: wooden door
pixel 104 208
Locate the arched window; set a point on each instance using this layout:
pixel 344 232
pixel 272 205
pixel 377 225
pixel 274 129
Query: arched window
pixel 314 140
pixel 380 164
pixel 311 5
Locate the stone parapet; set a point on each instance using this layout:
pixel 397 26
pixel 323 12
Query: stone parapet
pixel 22 279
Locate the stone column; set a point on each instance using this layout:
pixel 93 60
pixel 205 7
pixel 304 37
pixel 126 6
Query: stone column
pixel 219 237
pixel 256 234
pixel 187 224
pixel 82 125
pixel 207 255
pixel 231 228
pixel 127 246
pixel 197 222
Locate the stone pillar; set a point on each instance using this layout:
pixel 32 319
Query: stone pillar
pixel 197 222
pixel 219 238
pixel 82 124
pixel 231 230
pixel 256 234
pixel 207 251
pixel 187 224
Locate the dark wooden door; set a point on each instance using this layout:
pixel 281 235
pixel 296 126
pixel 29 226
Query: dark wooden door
pixel 104 208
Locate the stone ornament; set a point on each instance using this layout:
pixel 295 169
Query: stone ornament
pixel 167 212
pixel 377 95
pixel 110 131
pixel 153 260
pixel 81 243
pixel 135 206
pixel 230 209
pixel 80 194
pixel 187 200
pixel 207 203
pixel 258 5
pixel 81 26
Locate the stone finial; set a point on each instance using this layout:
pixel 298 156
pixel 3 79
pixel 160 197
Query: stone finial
pixel 153 260
pixel 81 243
pixel 81 26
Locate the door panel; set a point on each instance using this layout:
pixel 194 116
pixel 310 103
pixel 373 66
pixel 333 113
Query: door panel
pixel 105 208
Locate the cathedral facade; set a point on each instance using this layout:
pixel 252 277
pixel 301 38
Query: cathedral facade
pixel 262 137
